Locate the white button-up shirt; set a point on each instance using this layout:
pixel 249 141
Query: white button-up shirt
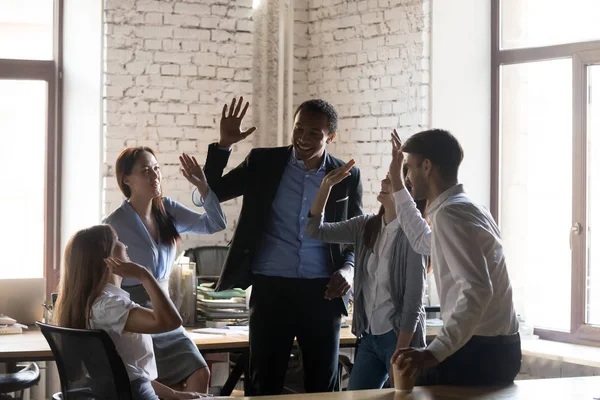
pixel 379 306
pixel 109 313
pixel 468 264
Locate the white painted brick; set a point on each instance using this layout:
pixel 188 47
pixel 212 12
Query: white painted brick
pixel 191 33
pixel 153 18
pixel 220 36
pixel 153 32
pixel 208 72
pixel 209 22
pixel 169 69
pixel 152 69
pixel 154 5
pixel 191 9
pixel 190 45
pixel 170 132
pixel 171 94
pixel 189 70
pixel 177 108
pixel 178 58
pixel 225 73
pixel 243 37
pixel 240 13
pixel 218 10
pixel 227 24
pixel 186 120
pixel 207 121
pixel 243 49
pixel 152 44
pixel 244 26
pixel 228 50
pixel 187 146
pixel 243 75
pixel 189 95
pixel 182 20
pixel 165 119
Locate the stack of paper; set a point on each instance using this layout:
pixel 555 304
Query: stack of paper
pixel 226 331
pixel 228 305
pixel 9 326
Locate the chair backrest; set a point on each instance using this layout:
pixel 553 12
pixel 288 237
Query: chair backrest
pixel 88 364
pixel 209 260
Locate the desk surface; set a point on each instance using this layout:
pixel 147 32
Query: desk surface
pixel 32 346
pixel 565 388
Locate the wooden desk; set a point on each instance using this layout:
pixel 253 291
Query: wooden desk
pixel 32 346
pixel 565 388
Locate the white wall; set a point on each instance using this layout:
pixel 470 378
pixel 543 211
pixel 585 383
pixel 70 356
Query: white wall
pixel 461 88
pixel 82 116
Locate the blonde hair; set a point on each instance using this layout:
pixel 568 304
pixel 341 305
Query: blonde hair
pixel 83 276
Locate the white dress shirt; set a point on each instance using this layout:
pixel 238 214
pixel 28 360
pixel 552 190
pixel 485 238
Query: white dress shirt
pixel 109 313
pixel 468 264
pixel 379 306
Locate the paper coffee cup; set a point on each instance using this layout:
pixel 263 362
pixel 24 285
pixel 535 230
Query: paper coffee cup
pixel 402 383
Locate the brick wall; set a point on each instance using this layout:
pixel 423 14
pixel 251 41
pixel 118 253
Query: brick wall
pixel 170 65
pixel 371 60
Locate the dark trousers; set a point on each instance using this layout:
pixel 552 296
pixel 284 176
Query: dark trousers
pixel 483 360
pixel 282 309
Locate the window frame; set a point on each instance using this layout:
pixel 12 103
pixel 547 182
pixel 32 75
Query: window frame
pixel 49 71
pixel 581 54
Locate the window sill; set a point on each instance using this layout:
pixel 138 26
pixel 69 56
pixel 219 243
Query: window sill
pixel 565 352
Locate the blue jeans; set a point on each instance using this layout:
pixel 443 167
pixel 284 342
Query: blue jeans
pixel 372 364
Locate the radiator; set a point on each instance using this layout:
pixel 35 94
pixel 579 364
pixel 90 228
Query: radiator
pixel 48 385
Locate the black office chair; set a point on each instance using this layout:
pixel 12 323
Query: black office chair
pixel 88 364
pixel 19 381
pixel 209 261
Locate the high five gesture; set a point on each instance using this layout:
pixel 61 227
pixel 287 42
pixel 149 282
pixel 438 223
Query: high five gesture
pixel 231 121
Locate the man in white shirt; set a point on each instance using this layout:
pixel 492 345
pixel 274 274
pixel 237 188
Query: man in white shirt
pixel 479 343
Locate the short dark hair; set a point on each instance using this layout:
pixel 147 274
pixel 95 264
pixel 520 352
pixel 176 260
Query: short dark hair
pixel 438 146
pixel 322 107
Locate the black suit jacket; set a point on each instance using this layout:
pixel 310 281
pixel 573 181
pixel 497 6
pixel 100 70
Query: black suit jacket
pixel 257 179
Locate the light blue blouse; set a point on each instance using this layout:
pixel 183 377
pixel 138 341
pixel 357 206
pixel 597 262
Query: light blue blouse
pixel 158 258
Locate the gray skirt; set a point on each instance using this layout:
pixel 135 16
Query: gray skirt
pixel 177 357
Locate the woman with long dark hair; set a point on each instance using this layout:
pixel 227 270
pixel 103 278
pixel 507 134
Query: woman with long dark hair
pixel 389 281
pixel 150 225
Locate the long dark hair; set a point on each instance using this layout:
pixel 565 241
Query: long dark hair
pixel 83 276
pixel 125 162
pixel 373 225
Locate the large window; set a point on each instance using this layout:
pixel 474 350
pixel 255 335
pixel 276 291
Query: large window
pixel 29 156
pixel 546 160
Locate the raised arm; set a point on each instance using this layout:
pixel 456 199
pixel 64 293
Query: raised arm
pixel 163 317
pixel 413 224
pixel 331 232
pixel 232 184
pixel 188 221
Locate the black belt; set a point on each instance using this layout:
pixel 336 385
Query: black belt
pixel 502 339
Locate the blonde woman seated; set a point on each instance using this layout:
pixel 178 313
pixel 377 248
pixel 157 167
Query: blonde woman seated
pixel 90 297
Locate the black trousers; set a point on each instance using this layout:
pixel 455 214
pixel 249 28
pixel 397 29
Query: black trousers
pixel 483 360
pixel 282 309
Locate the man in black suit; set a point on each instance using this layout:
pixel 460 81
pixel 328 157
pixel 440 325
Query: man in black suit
pixel 300 285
